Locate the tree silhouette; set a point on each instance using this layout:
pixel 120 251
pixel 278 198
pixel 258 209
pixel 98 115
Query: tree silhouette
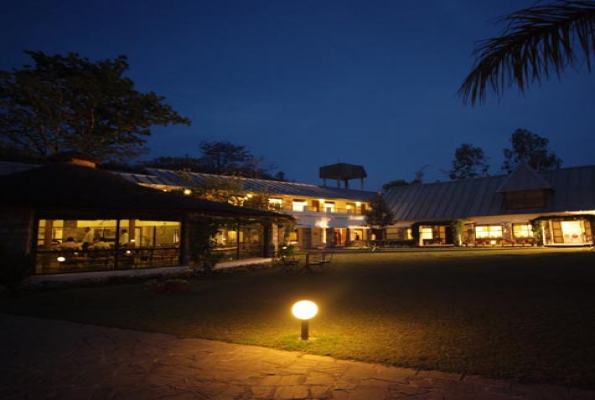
pixel 470 162
pixel 536 43
pixel 532 149
pixel 68 103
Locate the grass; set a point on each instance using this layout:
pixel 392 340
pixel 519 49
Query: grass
pixel 525 314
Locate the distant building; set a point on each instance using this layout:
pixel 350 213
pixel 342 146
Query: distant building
pixel 325 216
pixel 554 208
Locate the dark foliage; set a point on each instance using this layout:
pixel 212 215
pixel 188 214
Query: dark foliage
pixel 531 149
pixel 68 103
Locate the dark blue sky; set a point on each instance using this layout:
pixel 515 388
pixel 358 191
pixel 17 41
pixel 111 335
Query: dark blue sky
pixel 311 83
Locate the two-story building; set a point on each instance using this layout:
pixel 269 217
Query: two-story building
pixel 325 216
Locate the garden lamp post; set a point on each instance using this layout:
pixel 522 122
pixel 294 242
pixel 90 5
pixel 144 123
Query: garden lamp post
pixel 304 310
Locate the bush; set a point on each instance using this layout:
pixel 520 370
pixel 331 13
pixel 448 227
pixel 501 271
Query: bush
pixel 286 250
pixel 14 269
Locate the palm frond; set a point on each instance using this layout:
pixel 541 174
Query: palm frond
pixel 537 42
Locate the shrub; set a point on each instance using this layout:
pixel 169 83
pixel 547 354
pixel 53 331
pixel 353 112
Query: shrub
pixel 14 269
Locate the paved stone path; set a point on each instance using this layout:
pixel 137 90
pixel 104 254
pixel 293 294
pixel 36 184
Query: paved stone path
pixel 47 359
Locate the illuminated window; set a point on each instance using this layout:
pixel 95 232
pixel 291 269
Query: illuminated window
pixel 522 231
pixel 425 232
pixel 488 231
pixel 87 245
pixel 299 205
pixel 329 206
pixel 275 204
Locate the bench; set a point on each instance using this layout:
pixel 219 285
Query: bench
pixel 317 261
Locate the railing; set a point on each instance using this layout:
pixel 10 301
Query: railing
pixel 331 210
pixel 246 250
pixel 55 261
pixel 320 209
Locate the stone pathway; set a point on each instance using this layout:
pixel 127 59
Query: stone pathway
pixel 48 359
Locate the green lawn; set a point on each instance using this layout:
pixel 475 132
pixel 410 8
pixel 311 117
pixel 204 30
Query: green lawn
pixel 525 314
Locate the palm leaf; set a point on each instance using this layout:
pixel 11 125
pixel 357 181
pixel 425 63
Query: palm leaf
pixel 536 43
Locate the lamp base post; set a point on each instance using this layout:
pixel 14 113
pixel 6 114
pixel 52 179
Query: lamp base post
pixel 305 329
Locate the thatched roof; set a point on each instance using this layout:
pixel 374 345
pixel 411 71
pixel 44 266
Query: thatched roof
pixel 67 186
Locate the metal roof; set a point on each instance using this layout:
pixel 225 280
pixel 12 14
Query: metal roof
pixel 572 189
pixel 524 178
pixel 76 188
pixel 161 177
pixel 142 179
pixel 172 178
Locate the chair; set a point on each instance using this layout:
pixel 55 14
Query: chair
pixel 289 263
pixel 100 258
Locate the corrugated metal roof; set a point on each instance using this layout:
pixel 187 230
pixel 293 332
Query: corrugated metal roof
pixel 160 177
pixel 142 179
pixel 173 178
pixel 524 178
pixel 573 189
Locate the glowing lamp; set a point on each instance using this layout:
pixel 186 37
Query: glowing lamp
pixel 61 259
pixel 187 192
pixel 304 310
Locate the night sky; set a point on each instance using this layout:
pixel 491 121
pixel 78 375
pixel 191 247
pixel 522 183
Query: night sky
pixel 311 83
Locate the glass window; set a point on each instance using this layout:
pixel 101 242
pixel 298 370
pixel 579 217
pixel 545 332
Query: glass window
pixel 425 232
pixel 329 206
pixel 488 231
pixel 351 208
pixel 299 205
pixel 275 204
pixel 522 231
pixel 86 245
pixel 525 199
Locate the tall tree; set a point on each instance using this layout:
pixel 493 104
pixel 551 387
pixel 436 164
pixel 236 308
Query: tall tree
pixel 223 157
pixel 418 177
pixel 532 149
pixel 174 163
pixel 380 215
pixel 227 158
pixel 470 162
pixel 392 184
pixel 68 103
pixel 537 42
